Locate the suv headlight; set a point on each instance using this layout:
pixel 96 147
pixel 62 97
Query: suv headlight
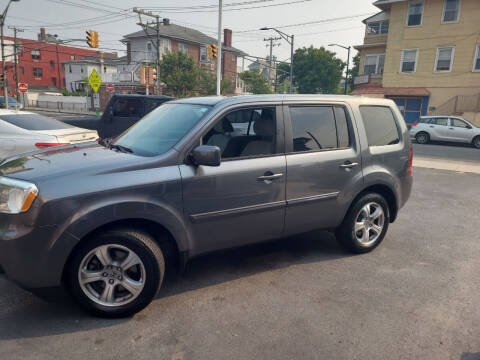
pixel 16 196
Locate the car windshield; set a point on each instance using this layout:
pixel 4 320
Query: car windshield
pixel 34 122
pixel 161 129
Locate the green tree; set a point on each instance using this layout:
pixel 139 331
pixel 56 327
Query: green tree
pixel 354 71
pixel 180 73
pixel 283 72
pixel 208 83
pixel 255 82
pixel 316 71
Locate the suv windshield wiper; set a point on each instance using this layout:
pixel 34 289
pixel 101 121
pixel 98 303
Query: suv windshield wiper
pixel 121 148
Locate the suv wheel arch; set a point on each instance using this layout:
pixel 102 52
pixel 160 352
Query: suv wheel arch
pixel 174 259
pixel 386 192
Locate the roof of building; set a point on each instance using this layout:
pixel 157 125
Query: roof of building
pixel 181 33
pixel 380 16
pixel 385 4
pixel 107 60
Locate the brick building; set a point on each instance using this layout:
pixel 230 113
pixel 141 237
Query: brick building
pixel 174 38
pixel 40 62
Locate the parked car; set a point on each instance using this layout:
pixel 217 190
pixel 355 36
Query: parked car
pixel 122 111
pixel 12 103
pixel 109 221
pixel 23 131
pixel 445 128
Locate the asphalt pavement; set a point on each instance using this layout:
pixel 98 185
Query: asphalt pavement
pixel 415 297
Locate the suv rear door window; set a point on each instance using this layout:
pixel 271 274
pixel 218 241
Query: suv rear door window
pixel 318 128
pixel 380 125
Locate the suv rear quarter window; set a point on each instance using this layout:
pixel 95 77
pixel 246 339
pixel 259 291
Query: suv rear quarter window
pixel 380 125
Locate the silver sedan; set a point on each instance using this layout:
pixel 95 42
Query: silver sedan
pixel 23 131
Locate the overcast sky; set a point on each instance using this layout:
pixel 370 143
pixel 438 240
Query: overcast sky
pixel 62 17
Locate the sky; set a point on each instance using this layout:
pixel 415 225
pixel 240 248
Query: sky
pixel 337 21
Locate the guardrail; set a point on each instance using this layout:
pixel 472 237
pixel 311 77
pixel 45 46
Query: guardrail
pixel 59 106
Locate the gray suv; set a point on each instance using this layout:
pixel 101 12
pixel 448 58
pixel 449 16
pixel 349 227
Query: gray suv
pixel 198 175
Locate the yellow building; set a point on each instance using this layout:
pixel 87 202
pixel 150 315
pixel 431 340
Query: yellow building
pixel 425 55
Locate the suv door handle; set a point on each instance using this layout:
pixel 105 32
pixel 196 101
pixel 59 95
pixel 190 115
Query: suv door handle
pixel 348 165
pixel 431 126
pixel 269 176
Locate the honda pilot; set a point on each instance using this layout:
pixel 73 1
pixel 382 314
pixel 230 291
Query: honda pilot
pixel 195 176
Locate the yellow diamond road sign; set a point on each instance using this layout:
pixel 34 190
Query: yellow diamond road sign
pixel 94 80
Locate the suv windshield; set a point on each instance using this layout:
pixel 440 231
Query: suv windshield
pixel 161 129
pixel 34 122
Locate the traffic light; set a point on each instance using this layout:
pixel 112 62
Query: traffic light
pixel 143 75
pixel 210 52
pixel 214 51
pixel 92 38
pixel 154 75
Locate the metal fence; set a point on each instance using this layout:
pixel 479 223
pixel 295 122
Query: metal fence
pixel 59 106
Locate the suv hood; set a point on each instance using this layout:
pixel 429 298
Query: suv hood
pixel 66 160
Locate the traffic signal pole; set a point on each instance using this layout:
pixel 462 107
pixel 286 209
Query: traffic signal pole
pixel 4 72
pixel 219 46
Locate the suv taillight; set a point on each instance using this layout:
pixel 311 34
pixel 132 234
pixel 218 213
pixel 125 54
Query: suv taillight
pixel 415 123
pixel 410 162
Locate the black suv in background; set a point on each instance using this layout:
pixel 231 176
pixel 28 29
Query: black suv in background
pixel 122 111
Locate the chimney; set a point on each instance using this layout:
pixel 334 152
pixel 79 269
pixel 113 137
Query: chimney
pixel 129 53
pixel 227 37
pixel 43 35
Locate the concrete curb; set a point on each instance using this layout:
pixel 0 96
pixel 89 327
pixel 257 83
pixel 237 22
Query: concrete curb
pixel 442 164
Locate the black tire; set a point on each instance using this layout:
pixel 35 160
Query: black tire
pixel 476 142
pixel 422 138
pixel 346 234
pixel 142 245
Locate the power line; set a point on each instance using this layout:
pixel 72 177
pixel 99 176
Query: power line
pixel 310 22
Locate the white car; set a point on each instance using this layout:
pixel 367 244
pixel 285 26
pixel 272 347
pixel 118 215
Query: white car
pixel 23 131
pixel 445 128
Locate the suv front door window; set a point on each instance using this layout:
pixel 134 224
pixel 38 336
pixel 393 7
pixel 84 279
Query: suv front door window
pixel 242 200
pixel 125 112
pixel 460 130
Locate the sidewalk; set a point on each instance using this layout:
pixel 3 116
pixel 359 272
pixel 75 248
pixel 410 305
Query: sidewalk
pixel 442 164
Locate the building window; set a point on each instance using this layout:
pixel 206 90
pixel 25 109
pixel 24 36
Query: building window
pixel 183 48
pixel 165 46
pixel 451 11
pixel 203 54
pixel 37 72
pixel 444 60
pixel 72 57
pixel 35 54
pixel 409 61
pixel 81 69
pixel 378 27
pixel 476 61
pixel 234 58
pixel 149 46
pixel 22 70
pixel 54 81
pixel 104 69
pixel 52 64
pixel 415 13
pixel 373 64
pixel 70 69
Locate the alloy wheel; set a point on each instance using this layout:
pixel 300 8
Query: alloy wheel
pixel 369 224
pixel 112 275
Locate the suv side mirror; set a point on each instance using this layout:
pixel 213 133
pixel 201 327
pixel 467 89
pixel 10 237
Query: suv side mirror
pixel 206 155
pixel 468 126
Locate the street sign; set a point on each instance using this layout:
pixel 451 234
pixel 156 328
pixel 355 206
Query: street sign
pixel 94 80
pixel 110 88
pixel 22 87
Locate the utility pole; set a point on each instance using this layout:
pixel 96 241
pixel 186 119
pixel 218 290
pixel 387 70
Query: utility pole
pixel 157 45
pixel 219 46
pixel 271 40
pixel 15 57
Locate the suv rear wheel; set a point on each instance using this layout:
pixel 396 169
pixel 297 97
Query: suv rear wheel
pixel 117 273
pixel 365 224
pixel 422 138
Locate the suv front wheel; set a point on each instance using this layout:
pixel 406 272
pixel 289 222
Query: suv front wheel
pixel 116 273
pixel 365 224
pixel 422 138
